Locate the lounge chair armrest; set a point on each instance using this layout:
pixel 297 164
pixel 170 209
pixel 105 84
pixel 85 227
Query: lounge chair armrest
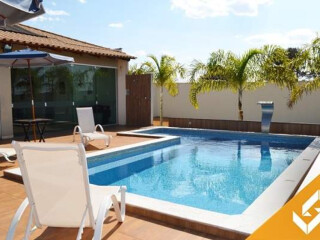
pixel 75 131
pixel 103 212
pixel 100 127
pixel 77 128
pixel 6 157
pixel 16 219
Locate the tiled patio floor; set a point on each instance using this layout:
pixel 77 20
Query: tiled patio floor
pixel 134 227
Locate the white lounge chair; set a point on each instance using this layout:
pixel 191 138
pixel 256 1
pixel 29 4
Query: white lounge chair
pixel 6 153
pixel 87 128
pixel 58 192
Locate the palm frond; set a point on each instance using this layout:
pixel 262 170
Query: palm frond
pixel 198 68
pixel 136 70
pixel 172 87
pixel 180 70
pixel 250 86
pixel 295 94
pixel 149 67
pixel 243 64
pixel 205 84
pixel 133 69
pixel 299 90
pixel 155 60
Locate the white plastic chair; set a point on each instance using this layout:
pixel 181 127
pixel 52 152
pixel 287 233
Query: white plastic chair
pixel 58 192
pixel 6 153
pixel 87 128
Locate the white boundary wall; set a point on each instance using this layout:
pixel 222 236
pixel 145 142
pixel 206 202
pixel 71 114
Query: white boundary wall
pixel 223 105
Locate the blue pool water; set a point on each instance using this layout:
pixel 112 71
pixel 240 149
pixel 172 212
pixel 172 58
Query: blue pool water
pixel 217 171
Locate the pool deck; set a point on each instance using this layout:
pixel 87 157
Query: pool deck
pixel 135 227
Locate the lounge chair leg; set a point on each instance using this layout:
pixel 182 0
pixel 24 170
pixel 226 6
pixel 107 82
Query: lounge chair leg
pixel 16 219
pixel 123 202
pixel 79 236
pixel 84 141
pixel 103 212
pixel 28 228
pixel 120 213
pixel 107 142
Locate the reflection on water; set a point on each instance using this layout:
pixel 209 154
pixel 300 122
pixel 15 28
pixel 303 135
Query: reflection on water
pixel 266 160
pixel 215 174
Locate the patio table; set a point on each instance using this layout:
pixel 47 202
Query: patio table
pixel 40 124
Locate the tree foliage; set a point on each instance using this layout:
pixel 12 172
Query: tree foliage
pixel 311 72
pixel 284 67
pixel 165 72
pixel 134 69
pixel 225 70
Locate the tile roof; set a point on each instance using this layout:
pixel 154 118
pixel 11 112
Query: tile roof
pixel 33 37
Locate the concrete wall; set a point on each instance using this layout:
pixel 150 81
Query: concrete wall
pixel 6 126
pixel 223 105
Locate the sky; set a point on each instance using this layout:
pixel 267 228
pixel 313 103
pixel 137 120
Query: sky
pixel 185 29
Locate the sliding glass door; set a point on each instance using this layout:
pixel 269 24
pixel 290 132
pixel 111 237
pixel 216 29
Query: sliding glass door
pixel 59 90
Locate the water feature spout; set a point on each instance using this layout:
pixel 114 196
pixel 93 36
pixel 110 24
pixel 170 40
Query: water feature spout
pixel 267 112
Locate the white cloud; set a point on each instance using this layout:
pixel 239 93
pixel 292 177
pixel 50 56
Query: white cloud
pixel 218 8
pixel 294 38
pixel 116 25
pixel 56 12
pixel 82 1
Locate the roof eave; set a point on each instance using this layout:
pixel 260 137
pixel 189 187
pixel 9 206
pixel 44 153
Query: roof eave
pixel 36 45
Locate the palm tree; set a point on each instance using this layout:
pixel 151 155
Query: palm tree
pixel 165 72
pixel 225 70
pixel 311 73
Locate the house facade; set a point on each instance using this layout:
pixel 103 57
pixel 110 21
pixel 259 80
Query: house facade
pixel 96 79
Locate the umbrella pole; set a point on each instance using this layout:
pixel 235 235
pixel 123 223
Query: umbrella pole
pixel 32 103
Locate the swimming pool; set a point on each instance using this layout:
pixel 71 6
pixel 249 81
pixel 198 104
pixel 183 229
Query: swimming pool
pixel 218 171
